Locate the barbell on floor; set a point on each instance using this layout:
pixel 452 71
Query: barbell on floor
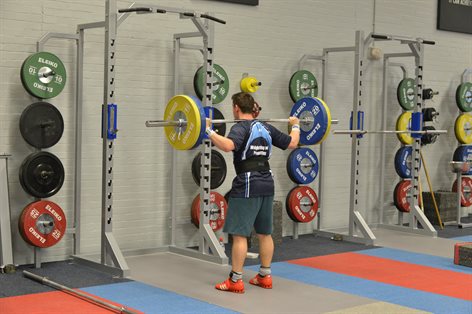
pixel 77 293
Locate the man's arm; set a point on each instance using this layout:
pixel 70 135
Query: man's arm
pixel 223 143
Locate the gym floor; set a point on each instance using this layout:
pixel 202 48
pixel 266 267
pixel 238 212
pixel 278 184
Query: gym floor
pixel 406 273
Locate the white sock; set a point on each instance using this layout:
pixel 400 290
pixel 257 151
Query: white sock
pixel 235 276
pixel 264 271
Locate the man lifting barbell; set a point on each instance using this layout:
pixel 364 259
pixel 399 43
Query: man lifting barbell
pixel 252 191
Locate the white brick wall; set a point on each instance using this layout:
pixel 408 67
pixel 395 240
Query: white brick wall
pixel 266 41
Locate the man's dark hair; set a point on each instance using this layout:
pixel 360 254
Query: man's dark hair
pixel 244 101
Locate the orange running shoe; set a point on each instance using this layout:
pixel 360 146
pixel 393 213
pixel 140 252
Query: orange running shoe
pixel 263 282
pixel 231 286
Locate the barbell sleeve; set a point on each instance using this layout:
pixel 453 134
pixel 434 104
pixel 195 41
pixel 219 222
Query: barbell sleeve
pixel 388 132
pixel 47 282
pixel 48 74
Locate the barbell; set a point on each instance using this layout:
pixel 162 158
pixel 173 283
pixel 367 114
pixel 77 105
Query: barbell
pixel 185 121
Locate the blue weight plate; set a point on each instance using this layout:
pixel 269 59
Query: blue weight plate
pixel 311 108
pixel 403 162
pixel 289 162
pixel 463 153
pixel 302 165
pixel 202 120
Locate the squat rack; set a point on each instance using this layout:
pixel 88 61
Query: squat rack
pixel 416 215
pixel 112 259
pixel 356 220
pixel 465 77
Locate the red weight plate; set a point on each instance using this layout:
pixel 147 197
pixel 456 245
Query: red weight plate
pixel 303 203
pixel 218 211
pixel 42 224
pixel 195 210
pixel 400 196
pixel 466 195
pixel 287 205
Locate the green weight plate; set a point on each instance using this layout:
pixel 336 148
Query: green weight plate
pixel 220 83
pixel 302 84
pixel 464 97
pixel 406 93
pixel 43 75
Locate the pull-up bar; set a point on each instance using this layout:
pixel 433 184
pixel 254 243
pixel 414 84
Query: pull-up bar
pixel 163 11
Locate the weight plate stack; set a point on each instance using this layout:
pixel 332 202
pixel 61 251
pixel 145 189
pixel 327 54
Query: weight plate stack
pixel 403 162
pixel 218 169
pixel 403 124
pixel 466 191
pixel 463 153
pixel 218 211
pixel 41 125
pixel 302 204
pixel 187 108
pixel 315 120
pixel 43 75
pixel 406 93
pixel 220 83
pixel 302 84
pixel 463 128
pixel 464 97
pixel 302 166
pixel 41 174
pixel 42 224
pixel 400 196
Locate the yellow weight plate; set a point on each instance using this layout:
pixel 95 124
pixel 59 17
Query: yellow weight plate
pixel 404 123
pixel 249 84
pixel 186 136
pixel 328 113
pixel 462 128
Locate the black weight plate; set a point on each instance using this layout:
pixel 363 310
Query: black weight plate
pixel 218 169
pixel 428 138
pixel 41 125
pixel 41 174
pixel 219 128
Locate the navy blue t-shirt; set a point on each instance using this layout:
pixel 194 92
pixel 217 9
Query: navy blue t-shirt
pixel 253 138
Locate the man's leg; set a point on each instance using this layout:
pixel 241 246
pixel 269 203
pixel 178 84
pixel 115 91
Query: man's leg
pixel 266 249
pixel 238 253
